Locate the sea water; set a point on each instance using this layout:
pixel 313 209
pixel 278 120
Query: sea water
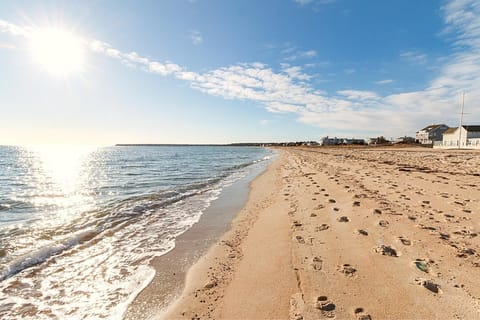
pixel 79 225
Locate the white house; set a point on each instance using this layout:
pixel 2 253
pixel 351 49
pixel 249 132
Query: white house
pixel 468 137
pixel 326 141
pixel 430 134
pixel 347 141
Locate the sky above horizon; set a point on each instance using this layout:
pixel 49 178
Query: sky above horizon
pixel 216 71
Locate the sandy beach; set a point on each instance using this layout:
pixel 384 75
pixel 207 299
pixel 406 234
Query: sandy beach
pixel 348 233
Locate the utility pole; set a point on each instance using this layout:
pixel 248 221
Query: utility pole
pixel 461 122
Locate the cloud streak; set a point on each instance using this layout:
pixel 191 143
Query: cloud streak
pixel 196 37
pixel 307 2
pixel 386 81
pixel 361 112
pixel 414 57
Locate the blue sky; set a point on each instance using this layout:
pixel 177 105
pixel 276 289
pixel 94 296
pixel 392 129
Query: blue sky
pixel 216 71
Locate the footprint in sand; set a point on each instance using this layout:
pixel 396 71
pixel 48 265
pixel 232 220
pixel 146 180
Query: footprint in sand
pixel 300 239
pixel 362 232
pixel 343 219
pixel 317 263
pixel 296 224
pixel 322 227
pixel 405 241
pixel 383 223
pixel 361 315
pixel 347 270
pixel 386 251
pixel 464 253
pixel 356 203
pixel 332 200
pixel 444 236
pixel 429 285
pixel 326 306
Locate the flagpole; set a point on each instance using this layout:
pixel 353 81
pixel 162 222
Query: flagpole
pixel 461 122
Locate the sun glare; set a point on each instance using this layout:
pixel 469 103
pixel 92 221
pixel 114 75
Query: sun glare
pixel 58 51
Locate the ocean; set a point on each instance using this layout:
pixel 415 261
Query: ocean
pixel 79 225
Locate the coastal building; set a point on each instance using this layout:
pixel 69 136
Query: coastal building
pixel 405 140
pixel 327 141
pixel 464 137
pixel 431 133
pixel 353 141
pixel 378 141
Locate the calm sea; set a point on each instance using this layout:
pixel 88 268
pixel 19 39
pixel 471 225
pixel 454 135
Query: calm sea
pixel 79 225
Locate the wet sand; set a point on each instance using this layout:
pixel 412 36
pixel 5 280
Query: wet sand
pixel 171 268
pixel 349 234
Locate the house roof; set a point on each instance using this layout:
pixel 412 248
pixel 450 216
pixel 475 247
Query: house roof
pixel 450 130
pixel 468 128
pixel 431 127
pixel 472 128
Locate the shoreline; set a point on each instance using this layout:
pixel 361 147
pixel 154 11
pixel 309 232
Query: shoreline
pixel 212 278
pixel 345 233
pixel 171 268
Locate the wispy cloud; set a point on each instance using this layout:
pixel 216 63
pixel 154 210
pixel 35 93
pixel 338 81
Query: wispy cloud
pixel 414 57
pixel 196 37
pixel 291 53
pixel 358 95
pixel 309 53
pixel 134 59
pixel 7 27
pixel 386 81
pixel 294 72
pixel 290 90
pixel 303 2
pixel 306 2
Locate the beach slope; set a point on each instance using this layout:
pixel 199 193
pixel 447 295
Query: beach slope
pixel 350 234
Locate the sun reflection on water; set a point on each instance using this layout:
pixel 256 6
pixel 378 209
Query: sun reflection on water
pixel 63 164
pixel 59 175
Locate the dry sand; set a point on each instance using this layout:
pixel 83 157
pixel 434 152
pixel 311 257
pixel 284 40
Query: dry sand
pixel 348 234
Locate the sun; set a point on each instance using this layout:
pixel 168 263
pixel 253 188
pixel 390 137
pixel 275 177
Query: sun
pixel 58 51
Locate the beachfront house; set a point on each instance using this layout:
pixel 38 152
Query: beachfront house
pixel 327 141
pixel 347 141
pixel 464 137
pixel 430 134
